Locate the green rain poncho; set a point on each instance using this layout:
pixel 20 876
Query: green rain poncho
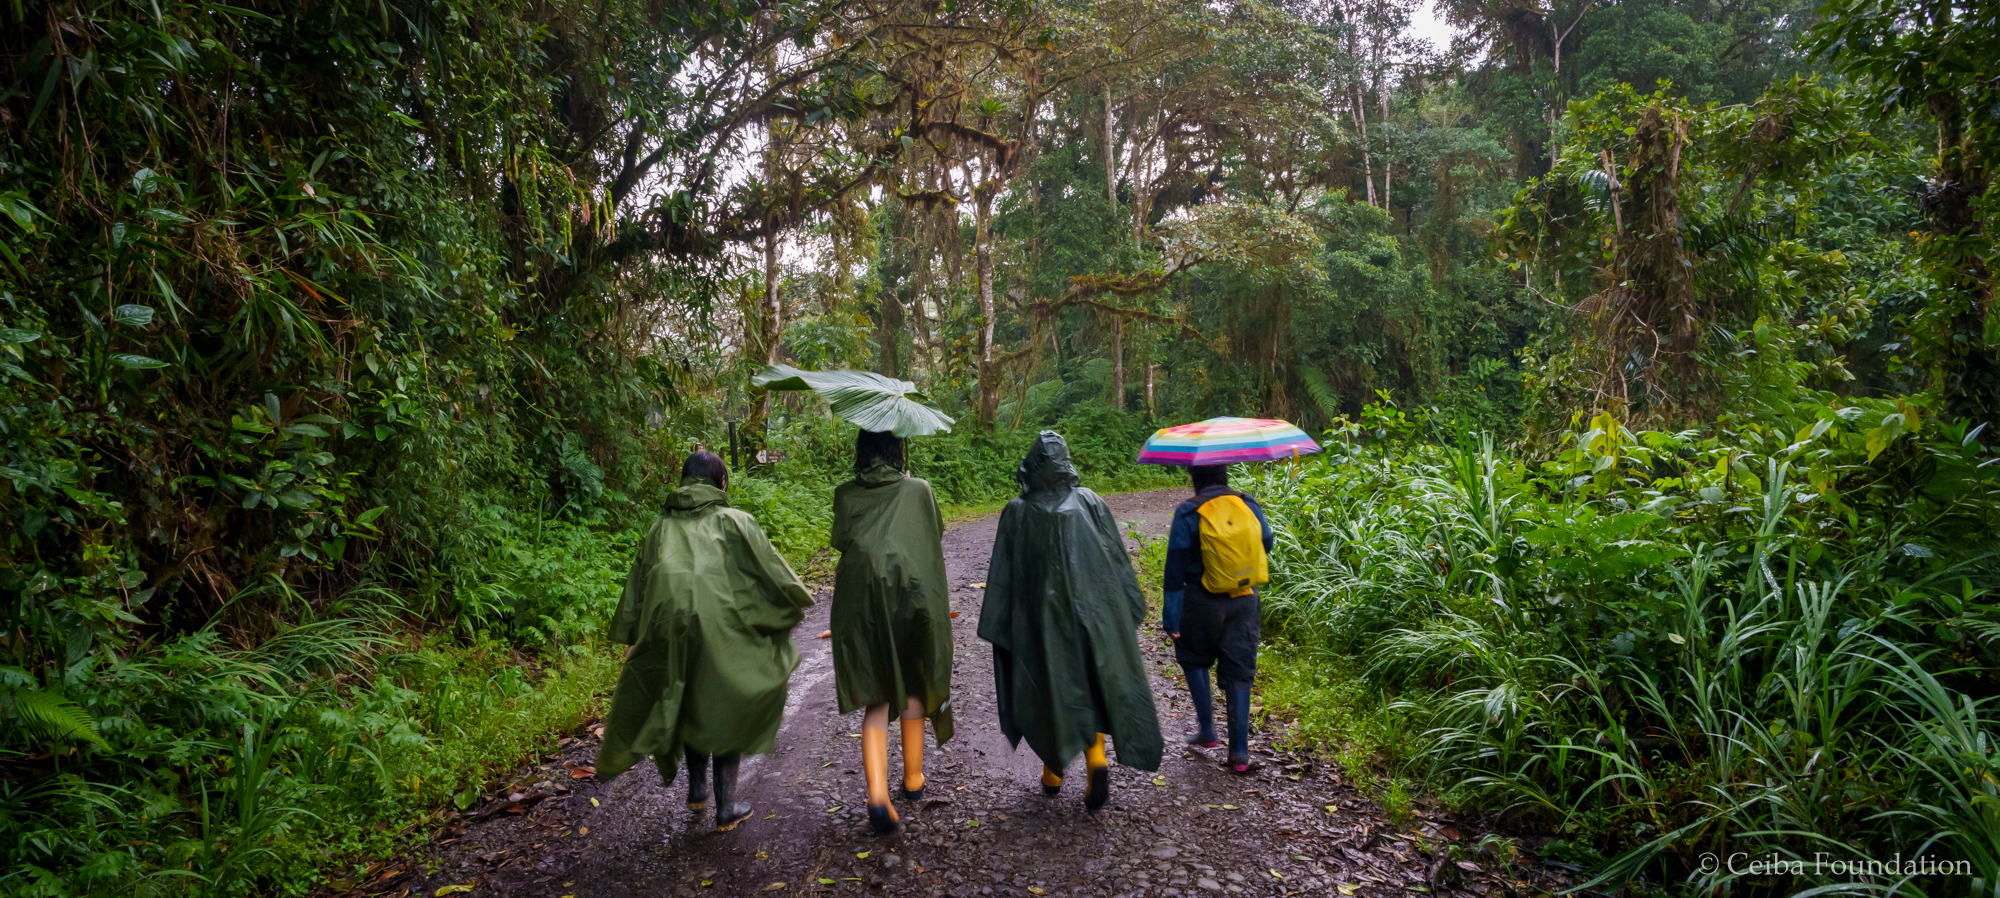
pixel 1062 611
pixel 891 616
pixel 709 606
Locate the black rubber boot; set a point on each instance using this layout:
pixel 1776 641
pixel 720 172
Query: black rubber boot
pixel 883 821
pixel 697 780
pixel 728 811
pixel 1239 728
pixel 1098 790
pixel 1204 707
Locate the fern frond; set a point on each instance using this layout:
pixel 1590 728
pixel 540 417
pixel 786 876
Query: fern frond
pixel 51 716
pixel 1320 388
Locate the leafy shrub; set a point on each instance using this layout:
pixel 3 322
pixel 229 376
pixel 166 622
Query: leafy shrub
pixel 1773 637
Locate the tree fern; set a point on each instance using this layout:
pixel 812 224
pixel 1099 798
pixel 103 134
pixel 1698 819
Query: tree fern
pixel 1320 388
pixel 51 716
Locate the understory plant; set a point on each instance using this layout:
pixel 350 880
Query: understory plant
pixel 1749 659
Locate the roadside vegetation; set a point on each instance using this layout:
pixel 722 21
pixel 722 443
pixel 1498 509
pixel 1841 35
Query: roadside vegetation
pixel 1774 639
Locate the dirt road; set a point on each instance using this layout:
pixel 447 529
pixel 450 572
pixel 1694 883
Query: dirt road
pixel 1192 829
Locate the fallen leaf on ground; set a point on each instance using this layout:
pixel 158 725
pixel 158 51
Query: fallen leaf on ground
pixel 1277 874
pixel 582 773
pixel 452 890
pixel 1036 890
pixel 595 803
pixel 1348 888
pixel 825 881
pixel 1229 807
pixel 583 830
pixel 707 882
pixel 954 614
pixel 834 808
pixel 774 887
pixel 824 634
pixel 980 585
pixel 1331 809
pixel 1159 781
pixel 861 854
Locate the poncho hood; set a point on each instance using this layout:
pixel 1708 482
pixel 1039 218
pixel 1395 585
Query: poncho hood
pixel 696 493
pixel 1046 470
pixel 878 473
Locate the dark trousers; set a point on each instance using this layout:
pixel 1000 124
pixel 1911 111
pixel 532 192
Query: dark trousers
pixel 1222 633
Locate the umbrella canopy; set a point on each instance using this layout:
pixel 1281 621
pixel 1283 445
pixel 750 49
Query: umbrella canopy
pixel 869 400
pixel 1223 441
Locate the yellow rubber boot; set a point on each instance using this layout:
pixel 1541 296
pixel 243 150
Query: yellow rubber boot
pixel 913 751
pixel 1098 791
pixel 1051 781
pixel 875 768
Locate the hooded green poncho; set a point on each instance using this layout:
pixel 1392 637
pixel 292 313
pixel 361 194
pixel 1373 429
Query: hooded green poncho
pixel 709 606
pixel 1062 611
pixel 891 612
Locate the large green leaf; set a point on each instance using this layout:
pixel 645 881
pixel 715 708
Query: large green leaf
pixel 869 400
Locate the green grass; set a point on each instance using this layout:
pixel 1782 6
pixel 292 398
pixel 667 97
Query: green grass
pixel 1776 640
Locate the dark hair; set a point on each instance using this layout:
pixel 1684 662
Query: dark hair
pixel 870 445
pixel 1205 476
pixel 707 466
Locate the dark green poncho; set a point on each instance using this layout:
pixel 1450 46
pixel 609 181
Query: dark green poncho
pixel 1062 611
pixel 709 606
pixel 891 614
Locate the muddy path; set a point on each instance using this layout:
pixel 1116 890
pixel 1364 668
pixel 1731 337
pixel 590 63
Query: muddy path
pixel 1289 828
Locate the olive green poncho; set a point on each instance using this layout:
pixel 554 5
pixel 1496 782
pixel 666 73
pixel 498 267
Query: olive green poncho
pixel 710 605
pixel 1062 611
pixel 891 612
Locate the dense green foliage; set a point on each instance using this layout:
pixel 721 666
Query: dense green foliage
pixel 1772 638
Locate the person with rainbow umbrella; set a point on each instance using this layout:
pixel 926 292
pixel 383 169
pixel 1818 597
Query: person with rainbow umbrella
pixel 1218 552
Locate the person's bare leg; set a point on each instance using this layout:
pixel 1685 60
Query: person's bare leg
pixel 875 767
pixel 913 749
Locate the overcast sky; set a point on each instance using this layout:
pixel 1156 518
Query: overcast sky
pixel 1426 25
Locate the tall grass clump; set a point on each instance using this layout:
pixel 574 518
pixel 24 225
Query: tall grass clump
pixel 1750 659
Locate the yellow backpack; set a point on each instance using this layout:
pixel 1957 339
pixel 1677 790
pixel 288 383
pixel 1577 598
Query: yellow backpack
pixel 1232 547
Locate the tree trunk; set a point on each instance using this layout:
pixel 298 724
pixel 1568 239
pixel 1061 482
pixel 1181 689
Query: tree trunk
pixel 989 384
pixel 1118 363
pixel 1388 161
pixel 1361 124
pixel 889 332
pixel 1152 407
pixel 1110 155
pixel 772 320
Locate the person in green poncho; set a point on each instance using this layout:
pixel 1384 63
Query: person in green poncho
pixel 1062 611
pixel 708 611
pixel 891 626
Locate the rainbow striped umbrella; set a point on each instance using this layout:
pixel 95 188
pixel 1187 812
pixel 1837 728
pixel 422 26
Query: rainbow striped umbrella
pixel 1223 441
